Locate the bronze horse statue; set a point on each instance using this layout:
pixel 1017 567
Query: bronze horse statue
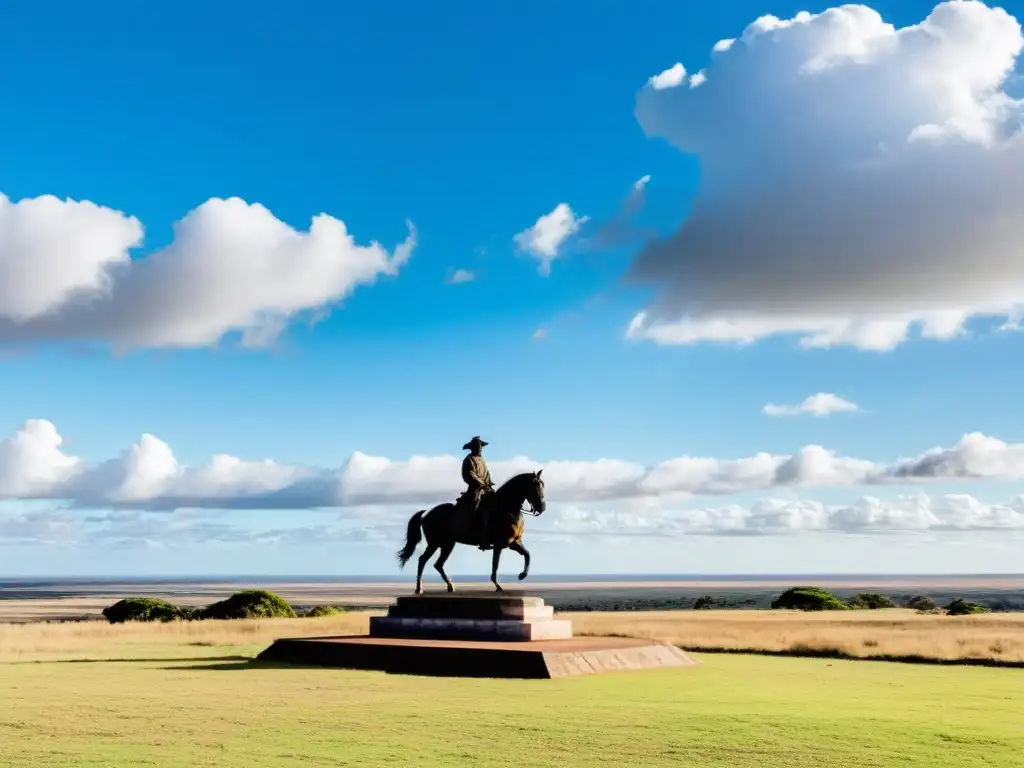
pixel 446 525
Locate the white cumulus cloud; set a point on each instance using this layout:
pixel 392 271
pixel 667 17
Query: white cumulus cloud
pixel 545 239
pixel 860 183
pixel 233 267
pixel 670 78
pixel 147 475
pixel 820 404
pixel 772 517
pixel 675 76
pixel 52 250
pixel 32 461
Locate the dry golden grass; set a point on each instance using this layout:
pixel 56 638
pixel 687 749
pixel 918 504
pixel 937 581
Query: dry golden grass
pixel 897 633
pixel 862 634
pixel 40 641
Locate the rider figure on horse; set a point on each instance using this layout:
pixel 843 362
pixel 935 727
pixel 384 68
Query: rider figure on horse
pixel 476 475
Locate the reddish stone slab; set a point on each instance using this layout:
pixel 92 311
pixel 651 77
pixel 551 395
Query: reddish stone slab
pixel 538 659
pixel 501 630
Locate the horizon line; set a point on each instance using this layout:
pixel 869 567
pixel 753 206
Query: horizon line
pixel 761 576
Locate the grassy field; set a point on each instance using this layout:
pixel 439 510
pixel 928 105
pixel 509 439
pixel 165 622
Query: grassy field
pixel 214 708
pixel 997 637
pixel 864 634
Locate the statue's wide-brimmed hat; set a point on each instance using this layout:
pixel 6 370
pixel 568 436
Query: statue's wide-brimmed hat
pixel 476 441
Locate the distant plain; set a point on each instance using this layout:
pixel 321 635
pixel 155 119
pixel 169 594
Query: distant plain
pixel 72 599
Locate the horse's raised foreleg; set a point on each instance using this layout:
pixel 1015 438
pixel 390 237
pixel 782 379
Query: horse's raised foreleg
pixel 446 550
pixel 495 558
pixel 431 549
pixel 517 546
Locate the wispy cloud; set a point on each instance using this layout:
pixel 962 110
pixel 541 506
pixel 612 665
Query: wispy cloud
pixel 820 404
pixel 461 276
pixel 901 515
pixel 773 517
pixel 546 239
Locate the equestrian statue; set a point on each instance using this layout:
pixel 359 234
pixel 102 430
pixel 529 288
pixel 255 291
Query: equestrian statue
pixel 481 517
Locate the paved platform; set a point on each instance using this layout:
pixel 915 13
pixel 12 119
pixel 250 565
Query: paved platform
pixel 538 659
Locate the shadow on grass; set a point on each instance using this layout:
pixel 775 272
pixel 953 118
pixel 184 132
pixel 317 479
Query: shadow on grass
pixel 168 659
pixel 242 663
pixel 239 664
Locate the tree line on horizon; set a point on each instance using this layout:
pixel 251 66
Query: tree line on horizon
pixel 259 603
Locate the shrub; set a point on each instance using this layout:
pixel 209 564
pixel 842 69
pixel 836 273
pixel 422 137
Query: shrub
pixel 703 603
pixel 870 601
pixel 146 609
pixel 959 607
pixel 249 604
pixel 318 611
pixel 921 603
pixel 808 599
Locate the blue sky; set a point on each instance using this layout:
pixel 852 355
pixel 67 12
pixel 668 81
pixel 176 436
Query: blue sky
pixel 470 121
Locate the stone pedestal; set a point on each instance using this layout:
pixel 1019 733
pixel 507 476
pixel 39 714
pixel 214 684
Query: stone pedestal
pixel 471 617
pixel 476 635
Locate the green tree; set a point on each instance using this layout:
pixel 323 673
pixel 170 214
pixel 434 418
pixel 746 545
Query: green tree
pixel 318 611
pixel 959 607
pixel 921 603
pixel 249 604
pixel 808 599
pixel 146 609
pixel 871 601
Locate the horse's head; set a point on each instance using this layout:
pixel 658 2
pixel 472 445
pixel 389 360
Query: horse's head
pixel 535 492
pixel 527 487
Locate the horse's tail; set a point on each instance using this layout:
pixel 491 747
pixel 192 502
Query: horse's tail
pixel 412 538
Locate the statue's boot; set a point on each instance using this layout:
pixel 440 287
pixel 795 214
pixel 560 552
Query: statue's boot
pixel 483 546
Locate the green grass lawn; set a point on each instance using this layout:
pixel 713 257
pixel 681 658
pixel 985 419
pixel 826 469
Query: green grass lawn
pixel 730 711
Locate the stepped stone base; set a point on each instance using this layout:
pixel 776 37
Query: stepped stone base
pixel 470 629
pixel 475 635
pixel 484 616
